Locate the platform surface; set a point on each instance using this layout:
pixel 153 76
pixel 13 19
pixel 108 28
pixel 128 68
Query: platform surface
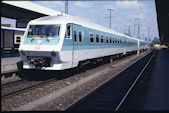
pixel 158 91
pixel 9 64
pixel 10 60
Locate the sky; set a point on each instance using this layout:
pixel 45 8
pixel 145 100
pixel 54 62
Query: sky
pixel 124 15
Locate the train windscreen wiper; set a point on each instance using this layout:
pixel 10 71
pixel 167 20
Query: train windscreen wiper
pixel 42 36
pixel 33 39
pixel 47 39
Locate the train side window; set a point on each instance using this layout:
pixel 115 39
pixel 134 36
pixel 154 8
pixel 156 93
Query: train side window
pixel 102 40
pixel 113 40
pixel 91 38
pixel 18 39
pixel 80 36
pixel 97 38
pixel 75 36
pixel 68 32
pixel 110 40
pixel 107 40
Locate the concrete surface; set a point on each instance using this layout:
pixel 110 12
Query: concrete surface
pixel 158 91
pixel 47 98
pixel 9 64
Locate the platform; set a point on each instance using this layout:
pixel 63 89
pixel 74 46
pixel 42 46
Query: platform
pixel 9 64
pixel 158 92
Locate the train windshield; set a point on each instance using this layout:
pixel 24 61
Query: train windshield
pixel 44 31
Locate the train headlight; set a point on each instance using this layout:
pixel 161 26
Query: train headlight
pixel 22 53
pixel 53 53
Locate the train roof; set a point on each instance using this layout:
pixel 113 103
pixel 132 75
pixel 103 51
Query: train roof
pixel 11 28
pixel 76 20
pixel 143 40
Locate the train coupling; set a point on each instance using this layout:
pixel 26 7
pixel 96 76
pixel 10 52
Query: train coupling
pixel 39 62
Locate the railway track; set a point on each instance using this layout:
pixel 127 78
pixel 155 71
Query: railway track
pixel 112 93
pixel 11 82
pixel 17 87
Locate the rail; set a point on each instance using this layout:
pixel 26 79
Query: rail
pixel 93 92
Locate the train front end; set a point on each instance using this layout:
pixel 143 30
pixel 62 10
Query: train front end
pixel 41 46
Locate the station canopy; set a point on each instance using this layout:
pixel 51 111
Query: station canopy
pixel 162 7
pixel 25 10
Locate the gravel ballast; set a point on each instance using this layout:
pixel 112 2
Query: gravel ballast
pixel 60 93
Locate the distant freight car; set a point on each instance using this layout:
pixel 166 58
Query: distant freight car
pixel 63 42
pixel 10 41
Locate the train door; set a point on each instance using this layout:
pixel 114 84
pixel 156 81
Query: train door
pixel 67 44
pixel 138 45
pixel 75 44
pixel 2 42
pixel 8 43
pixel 124 45
pixel 78 35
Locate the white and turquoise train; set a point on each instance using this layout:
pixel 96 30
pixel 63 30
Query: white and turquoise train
pixel 62 42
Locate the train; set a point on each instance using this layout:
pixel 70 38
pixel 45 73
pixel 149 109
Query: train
pixel 64 42
pixel 10 41
pixel 159 46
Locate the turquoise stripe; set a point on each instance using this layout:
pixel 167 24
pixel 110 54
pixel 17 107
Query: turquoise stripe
pixel 89 47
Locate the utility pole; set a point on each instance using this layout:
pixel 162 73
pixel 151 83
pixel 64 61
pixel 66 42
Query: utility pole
pixel 129 29
pixel 110 17
pixel 134 29
pixel 66 6
pixel 148 32
pixel 138 27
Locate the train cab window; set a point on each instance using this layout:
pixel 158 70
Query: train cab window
pixel 43 31
pixel 107 40
pixel 68 32
pixel 97 38
pixel 80 36
pixel 91 38
pixel 102 40
pixel 75 36
pixel 110 40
